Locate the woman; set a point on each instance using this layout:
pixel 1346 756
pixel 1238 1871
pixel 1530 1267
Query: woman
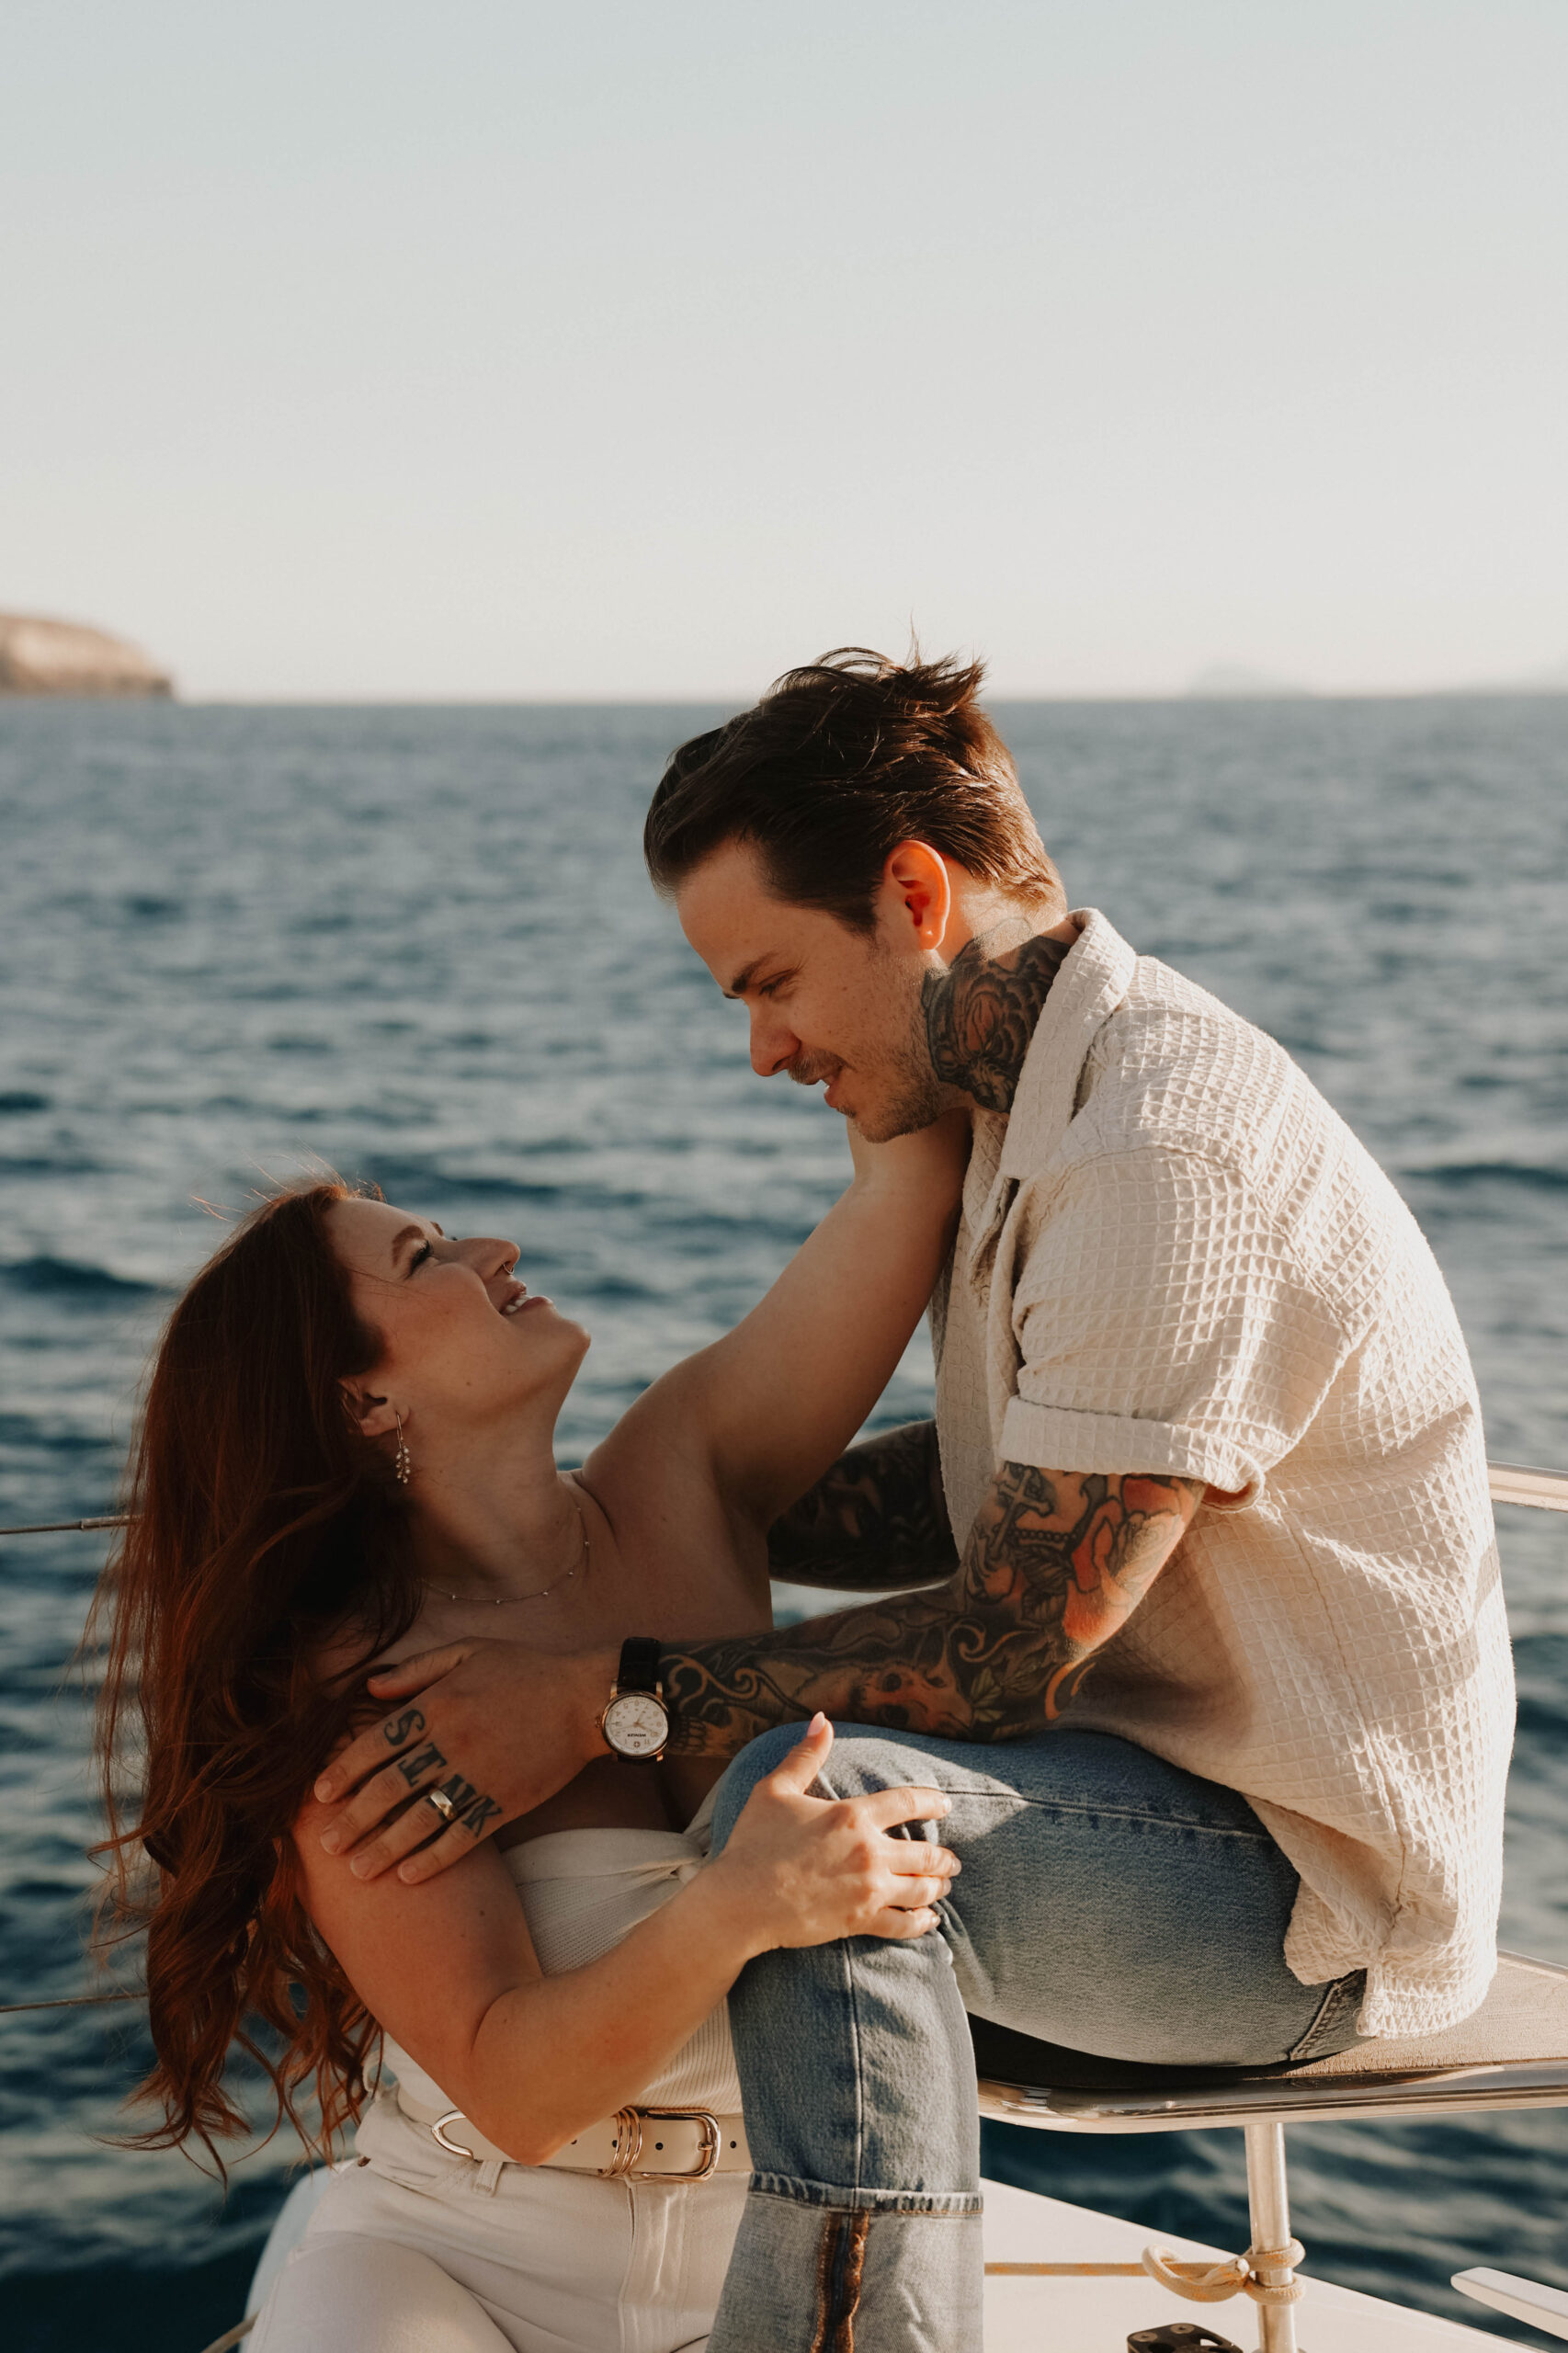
pixel 347 1456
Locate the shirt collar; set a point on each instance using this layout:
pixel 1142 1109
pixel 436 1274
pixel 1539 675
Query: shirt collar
pixel 1091 983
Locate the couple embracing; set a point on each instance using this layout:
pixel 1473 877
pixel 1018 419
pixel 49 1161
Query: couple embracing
pixel 638 1937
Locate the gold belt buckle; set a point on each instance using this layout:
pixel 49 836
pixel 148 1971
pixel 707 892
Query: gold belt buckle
pixel 629 2139
pixel 628 2144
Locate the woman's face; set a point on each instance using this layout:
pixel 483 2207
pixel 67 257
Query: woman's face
pixel 462 1341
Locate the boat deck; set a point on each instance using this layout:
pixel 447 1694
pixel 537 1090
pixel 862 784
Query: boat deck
pixel 1095 2315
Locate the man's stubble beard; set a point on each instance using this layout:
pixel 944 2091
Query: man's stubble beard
pixel 909 1095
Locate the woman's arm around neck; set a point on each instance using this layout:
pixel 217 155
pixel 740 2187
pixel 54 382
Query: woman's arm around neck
pixel 768 1408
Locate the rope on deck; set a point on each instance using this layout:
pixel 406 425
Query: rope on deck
pixel 1065 2270
pixel 1211 2283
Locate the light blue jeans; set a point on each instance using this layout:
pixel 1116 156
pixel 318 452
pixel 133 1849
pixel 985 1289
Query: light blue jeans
pixel 1108 1903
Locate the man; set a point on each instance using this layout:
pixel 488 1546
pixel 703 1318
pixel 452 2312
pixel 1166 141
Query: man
pixel 1209 1656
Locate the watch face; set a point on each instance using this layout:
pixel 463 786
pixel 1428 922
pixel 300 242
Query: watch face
pixel 636 1725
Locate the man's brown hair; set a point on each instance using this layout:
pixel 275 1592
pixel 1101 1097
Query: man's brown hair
pixel 837 764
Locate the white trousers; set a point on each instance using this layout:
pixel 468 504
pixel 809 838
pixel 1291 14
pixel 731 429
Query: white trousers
pixel 549 2263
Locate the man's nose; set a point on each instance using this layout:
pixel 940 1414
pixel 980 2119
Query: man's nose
pixel 773 1044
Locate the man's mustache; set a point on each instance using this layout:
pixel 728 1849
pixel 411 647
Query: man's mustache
pixel 809 1069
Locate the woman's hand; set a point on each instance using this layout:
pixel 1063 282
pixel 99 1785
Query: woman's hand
pixel 931 1161
pixel 805 1871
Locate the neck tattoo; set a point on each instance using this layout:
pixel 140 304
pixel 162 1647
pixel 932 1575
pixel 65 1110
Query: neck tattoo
pixel 505 1600
pixel 981 1013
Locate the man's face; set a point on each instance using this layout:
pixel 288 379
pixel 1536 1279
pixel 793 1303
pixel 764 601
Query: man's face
pixel 826 1002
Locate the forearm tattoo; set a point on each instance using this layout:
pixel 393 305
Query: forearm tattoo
pixel 981 1013
pixel 1055 1564
pixel 877 1521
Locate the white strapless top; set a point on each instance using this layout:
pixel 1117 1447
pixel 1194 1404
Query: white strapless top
pixel 581 1892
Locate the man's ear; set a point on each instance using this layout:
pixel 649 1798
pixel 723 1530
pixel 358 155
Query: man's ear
pixel 917 894
pixel 371 1415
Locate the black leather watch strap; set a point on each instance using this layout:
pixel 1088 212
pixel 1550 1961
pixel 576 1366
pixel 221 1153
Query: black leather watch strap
pixel 639 1668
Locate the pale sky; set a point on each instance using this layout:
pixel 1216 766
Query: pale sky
pixel 368 349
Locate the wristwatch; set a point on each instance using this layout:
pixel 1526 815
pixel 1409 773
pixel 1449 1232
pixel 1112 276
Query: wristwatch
pixel 636 1722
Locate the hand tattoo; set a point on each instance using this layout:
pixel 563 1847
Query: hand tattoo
pixel 468 1807
pixel 1056 1562
pixel 876 1519
pixel 475 1813
pixel 981 1013
pixel 418 1762
pixel 459 1793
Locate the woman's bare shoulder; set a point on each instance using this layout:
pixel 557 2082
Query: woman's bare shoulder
pixel 659 1498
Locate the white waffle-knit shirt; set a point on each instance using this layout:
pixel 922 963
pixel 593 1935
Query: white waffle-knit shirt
pixel 1175 1256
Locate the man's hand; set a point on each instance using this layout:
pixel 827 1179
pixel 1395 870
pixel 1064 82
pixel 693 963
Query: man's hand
pixel 492 1728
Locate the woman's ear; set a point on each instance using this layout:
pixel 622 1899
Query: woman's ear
pixel 371 1415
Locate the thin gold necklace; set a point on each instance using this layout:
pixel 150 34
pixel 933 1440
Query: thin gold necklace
pixel 504 1600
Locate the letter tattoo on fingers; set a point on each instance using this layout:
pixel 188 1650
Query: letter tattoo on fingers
pixel 399 1730
pixel 418 1762
pixel 480 1814
pixel 459 1794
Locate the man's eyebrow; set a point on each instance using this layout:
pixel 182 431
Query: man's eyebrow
pixel 743 979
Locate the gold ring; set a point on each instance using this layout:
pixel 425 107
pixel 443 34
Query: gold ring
pixel 442 1804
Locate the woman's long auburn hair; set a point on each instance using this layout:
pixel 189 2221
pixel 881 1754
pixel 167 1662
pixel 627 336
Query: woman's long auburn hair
pixel 262 1527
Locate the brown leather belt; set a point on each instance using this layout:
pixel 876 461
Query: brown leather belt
pixel 634 2144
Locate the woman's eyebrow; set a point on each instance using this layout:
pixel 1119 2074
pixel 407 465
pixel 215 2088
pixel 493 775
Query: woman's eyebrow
pixel 409 1233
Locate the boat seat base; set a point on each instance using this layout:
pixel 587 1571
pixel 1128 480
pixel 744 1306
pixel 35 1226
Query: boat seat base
pixel 1513 2052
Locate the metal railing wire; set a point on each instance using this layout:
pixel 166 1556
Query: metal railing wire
pixel 1511 1483
pixel 67 1526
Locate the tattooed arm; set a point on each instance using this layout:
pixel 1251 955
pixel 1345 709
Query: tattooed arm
pixel 1056 1562
pixel 877 1521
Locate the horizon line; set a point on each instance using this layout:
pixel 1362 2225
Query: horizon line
pixel 352 700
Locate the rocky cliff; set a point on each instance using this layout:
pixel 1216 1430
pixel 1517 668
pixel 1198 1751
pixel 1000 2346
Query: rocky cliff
pixel 44 657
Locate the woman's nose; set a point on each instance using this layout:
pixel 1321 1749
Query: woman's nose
pixel 492 1256
pixel 774 1044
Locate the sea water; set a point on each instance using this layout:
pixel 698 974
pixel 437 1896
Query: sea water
pixel 418 945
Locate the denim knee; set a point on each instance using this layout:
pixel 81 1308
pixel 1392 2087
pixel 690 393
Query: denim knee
pixel 754 1764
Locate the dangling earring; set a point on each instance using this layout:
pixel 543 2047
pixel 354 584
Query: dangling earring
pixel 403 1461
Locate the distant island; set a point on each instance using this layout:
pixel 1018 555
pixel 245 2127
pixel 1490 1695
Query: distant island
pixel 48 657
